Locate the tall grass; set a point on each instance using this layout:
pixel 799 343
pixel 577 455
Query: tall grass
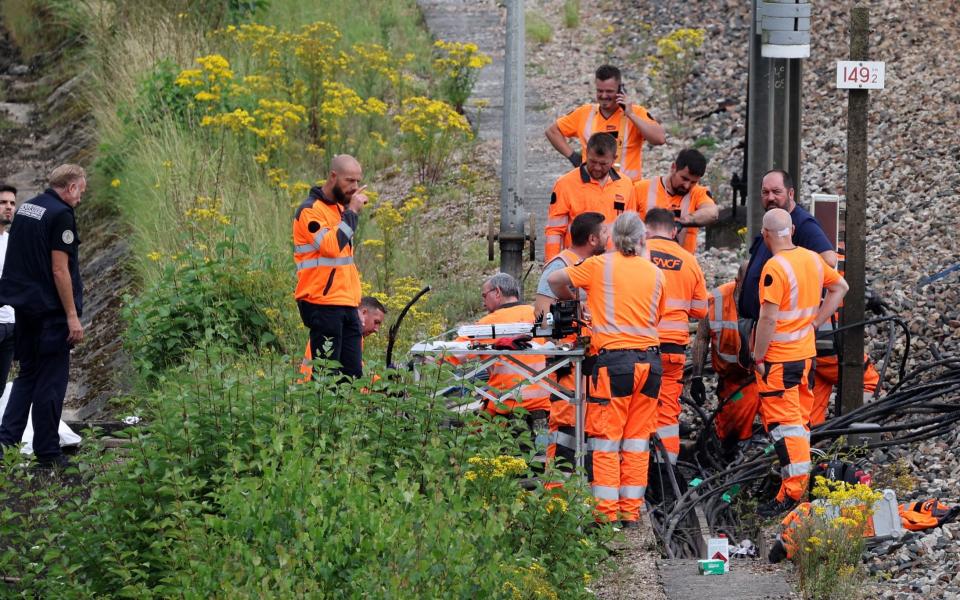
pixel 571 14
pixel 157 167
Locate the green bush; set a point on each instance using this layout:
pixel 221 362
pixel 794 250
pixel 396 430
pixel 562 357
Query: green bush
pixel 203 295
pixel 243 485
pixel 538 29
pixel 571 14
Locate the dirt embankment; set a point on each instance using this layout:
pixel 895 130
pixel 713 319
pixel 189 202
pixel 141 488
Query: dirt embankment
pixel 43 124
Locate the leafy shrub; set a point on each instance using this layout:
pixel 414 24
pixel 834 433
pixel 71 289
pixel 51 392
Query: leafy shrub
pixel 430 131
pixel 203 295
pixel 243 485
pixel 457 68
pixel 674 64
pixel 829 540
pixel 538 28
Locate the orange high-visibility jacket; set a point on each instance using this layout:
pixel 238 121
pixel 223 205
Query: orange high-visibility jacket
pixel 576 193
pixel 323 252
pixel 625 295
pixel 586 120
pixel 684 287
pixel 503 374
pixel 724 334
pixel 656 196
pixel 794 280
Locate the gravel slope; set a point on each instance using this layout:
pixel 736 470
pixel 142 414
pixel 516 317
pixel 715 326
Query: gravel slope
pixel 912 212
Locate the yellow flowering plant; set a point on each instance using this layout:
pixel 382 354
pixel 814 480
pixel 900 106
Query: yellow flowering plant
pixel 456 67
pixel 830 538
pixel 673 65
pixel 430 130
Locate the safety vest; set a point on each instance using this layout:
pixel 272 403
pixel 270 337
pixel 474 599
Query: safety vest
pixel 623 140
pixel 684 287
pixel 652 191
pixel 323 253
pixel 504 375
pixel 575 193
pixel 651 194
pixel 585 120
pixel 794 278
pixel 724 334
pixel 625 295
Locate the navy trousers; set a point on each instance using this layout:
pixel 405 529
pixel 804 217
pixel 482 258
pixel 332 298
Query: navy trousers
pixel 335 334
pixel 44 355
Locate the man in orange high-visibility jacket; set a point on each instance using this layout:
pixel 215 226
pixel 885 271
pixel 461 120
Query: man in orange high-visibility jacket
pixel 372 313
pixel 593 187
pixel 826 375
pixel 686 297
pixel 784 347
pixel 826 370
pixel 680 192
pixel 609 115
pixel 589 234
pixel 736 384
pixel 625 296
pixel 328 282
pixel 501 299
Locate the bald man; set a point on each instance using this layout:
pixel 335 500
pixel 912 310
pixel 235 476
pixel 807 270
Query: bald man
pixel 777 191
pixel 790 288
pixel 328 282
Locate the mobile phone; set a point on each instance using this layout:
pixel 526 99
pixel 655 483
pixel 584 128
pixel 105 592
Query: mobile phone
pixel 622 90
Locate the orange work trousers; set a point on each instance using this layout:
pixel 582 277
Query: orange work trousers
pixel 621 416
pixel 562 440
pixel 783 389
pixel 825 378
pixel 668 404
pixel 741 404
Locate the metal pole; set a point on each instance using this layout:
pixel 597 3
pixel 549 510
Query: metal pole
pixel 851 384
pixel 794 121
pixel 759 130
pixel 512 216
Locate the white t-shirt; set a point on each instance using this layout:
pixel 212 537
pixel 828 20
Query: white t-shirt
pixel 6 312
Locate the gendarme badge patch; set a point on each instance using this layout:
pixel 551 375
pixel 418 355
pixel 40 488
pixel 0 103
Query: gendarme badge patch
pixel 67 237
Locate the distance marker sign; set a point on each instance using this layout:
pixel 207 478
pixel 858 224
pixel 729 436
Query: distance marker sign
pixel 860 75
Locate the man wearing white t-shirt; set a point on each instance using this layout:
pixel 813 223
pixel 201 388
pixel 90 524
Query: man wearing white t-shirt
pixel 8 206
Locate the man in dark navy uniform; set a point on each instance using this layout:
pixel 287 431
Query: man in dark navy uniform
pixel 41 281
pixel 777 191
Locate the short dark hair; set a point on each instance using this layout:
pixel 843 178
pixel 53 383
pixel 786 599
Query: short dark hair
pixel 6 187
pixel 660 217
pixel 605 72
pixel 585 225
pixel 602 143
pixel 787 179
pixel 371 303
pixel 692 160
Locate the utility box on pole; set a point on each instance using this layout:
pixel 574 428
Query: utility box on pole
pixel 780 38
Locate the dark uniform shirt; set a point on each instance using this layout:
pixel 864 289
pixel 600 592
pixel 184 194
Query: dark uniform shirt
pixel 807 234
pixel 41 225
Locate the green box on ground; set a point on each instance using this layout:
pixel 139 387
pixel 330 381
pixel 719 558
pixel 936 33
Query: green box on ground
pixel 710 567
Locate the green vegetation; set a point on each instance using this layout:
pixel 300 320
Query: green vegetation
pixel 245 485
pixel 674 63
pixel 829 539
pixel 571 13
pixel 538 29
pixel 214 118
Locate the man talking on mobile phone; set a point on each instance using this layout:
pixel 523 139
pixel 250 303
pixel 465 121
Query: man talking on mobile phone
pixel 613 113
